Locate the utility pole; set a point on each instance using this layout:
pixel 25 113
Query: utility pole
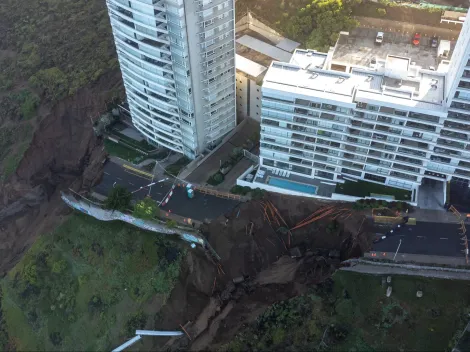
pixel 399 244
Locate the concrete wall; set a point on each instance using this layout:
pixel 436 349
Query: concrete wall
pixel 259 27
pixel 248 98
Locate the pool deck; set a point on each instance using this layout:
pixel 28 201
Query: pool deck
pixel 323 189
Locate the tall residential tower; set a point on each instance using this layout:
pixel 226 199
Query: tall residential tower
pixel 177 60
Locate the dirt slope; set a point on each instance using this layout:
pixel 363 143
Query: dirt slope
pixel 64 153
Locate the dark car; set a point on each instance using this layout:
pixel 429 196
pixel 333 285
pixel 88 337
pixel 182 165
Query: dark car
pixel 434 42
pixel 416 39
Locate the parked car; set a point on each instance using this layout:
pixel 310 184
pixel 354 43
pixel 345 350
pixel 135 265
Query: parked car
pixel 434 42
pixel 416 39
pixel 379 38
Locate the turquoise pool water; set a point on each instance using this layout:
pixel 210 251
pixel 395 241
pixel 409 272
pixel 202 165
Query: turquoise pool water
pixel 293 186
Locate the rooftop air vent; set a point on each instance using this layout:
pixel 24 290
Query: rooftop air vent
pixel 340 80
pixel 369 78
pixel 314 75
pixel 309 53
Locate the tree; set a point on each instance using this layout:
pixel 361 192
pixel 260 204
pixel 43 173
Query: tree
pixel 146 209
pixel 119 198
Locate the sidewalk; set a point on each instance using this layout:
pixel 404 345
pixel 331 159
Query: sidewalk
pixel 431 215
pixel 376 270
pixel 407 28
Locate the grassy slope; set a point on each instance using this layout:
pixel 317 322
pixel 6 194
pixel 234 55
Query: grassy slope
pixel 48 50
pixel 86 285
pixel 360 318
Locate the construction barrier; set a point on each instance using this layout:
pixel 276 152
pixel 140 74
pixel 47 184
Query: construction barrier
pixel 212 192
pixel 125 166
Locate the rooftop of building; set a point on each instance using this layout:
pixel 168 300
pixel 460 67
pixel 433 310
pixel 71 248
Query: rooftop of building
pixel 358 49
pixel 394 80
pixel 258 50
pixel 309 59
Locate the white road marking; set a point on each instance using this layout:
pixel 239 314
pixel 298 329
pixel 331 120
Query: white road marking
pixel 106 173
pixel 131 183
pixel 421 236
pixel 444 238
pixel 120 179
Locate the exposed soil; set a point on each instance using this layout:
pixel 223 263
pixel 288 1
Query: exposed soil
pixel 257 270
pixel 64 153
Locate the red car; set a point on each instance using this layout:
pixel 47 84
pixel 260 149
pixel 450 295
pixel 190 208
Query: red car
pixel 416 39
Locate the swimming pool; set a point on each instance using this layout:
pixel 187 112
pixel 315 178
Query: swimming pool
pixel 293 186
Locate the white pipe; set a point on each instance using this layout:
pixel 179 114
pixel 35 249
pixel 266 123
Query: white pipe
pixel 127 344
pixel 158 333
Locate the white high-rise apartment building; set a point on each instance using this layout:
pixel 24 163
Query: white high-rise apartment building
pixel 393 123
pixel 177 60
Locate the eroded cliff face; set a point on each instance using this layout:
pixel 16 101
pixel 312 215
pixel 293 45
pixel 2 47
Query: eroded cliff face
pixel 64 153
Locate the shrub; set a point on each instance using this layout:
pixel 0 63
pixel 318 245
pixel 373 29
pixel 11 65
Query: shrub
pixel 258 193
pixel 119 198
pixel 171 224
pixel 146 209
pixel 236 189
pixel 52 82
pixel 216 179
pixel 382 12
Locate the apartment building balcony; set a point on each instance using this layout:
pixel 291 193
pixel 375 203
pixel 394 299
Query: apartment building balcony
pixel 462 172
pixel 354 157
pixel 444 151
pixel 360 124
pixel 454 135
pixel 355 132
pixel 456 126
pixel 450 144
pixel 408 160
pixel 378 162
pixel 420 126
pixel 458 116
pixel 403 176
pixel 387 129
pixel 414 144
pixel 208 5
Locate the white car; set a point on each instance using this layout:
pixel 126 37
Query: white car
pixel 379 38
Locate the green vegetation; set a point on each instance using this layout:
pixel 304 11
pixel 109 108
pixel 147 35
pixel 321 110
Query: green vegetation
pixel 404 12
pixel 318 24
pixel 258 193
pixel 13 160
pixel 372 203
pixel 85 286
pixel 122 151
pixel 146 209
pixel 352 313
pixel 142 145
pixel 119 198
pixel 175 168
pixel 216 179
pixel 240 190
pixel 10 151
pixel 58 45
pixel 368 189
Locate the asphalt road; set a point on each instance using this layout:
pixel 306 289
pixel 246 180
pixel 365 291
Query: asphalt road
pixel 201 207
pixel 424 238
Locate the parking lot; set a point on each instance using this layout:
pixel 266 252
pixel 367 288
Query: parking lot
pixel 359 48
